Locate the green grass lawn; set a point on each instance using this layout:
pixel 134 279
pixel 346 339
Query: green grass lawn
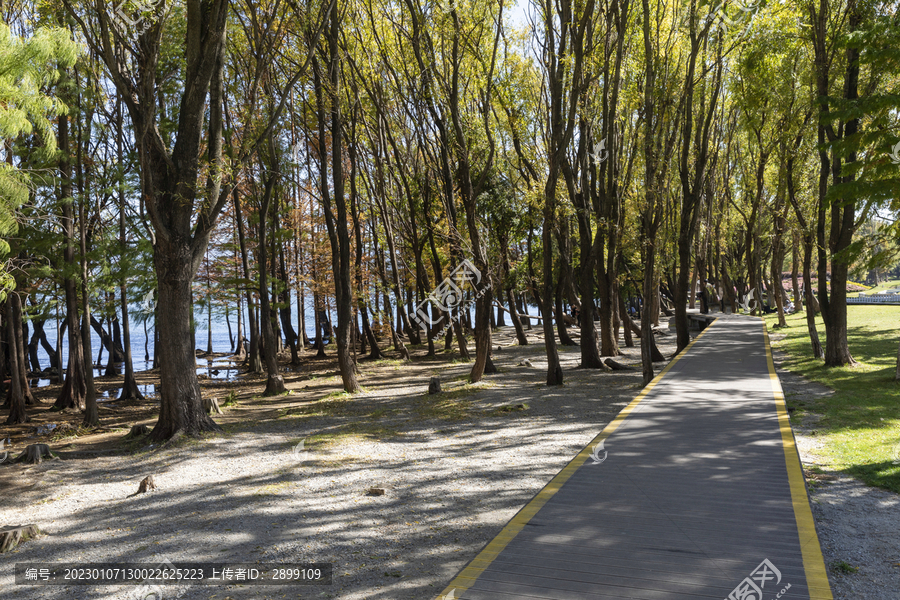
pixel 885 285
pixel 860 423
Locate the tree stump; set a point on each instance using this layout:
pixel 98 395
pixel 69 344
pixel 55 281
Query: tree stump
pixel 12 536
pixel 138 431
pixel 147 485
pixel 616 366
pixel 404 354
pixel 35 453
pixel 211 405
pixel 434 386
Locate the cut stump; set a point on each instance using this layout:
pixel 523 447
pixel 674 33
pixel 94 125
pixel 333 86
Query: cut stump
pixel 211 405
pixel 147 485
pixel 35 453
pixel 434 386
pixel 138 431
pixel 12 536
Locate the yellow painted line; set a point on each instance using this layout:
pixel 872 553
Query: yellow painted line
pixel 474 569
pixel 813 562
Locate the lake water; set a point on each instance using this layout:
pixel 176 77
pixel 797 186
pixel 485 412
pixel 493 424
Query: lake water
pixel 214 368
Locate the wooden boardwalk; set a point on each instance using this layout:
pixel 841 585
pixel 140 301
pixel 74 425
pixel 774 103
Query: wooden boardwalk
pixel 696 492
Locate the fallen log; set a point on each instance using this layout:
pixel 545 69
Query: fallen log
pixel 616 366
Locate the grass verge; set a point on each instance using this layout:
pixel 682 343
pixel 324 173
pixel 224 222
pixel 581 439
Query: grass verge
pixel 860 423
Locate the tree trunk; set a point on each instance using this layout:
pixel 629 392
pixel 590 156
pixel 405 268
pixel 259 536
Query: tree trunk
pixel 111 362
pixel 607 273
pixel 338 233
pixel 778 252
pixel 590 349
pixel 107 341
pixel 628 324
pixel 811 303
pixel 274 380
pixel 130 390
pixel 253 357
pixel 52 352
pixel 17 398
pixel 209 345
pixel 647 342
pixel 841 224
pixel 837 350
pixel 240 350
pixel 21 371
pixel 682 327
pixel 4 353
pixel 522 305
pixel 897 374
pixel 320 342
pixel 32 347
pixel 517 323
pixel 564 338
pixel 795 267
pixel 284 298
pixel 181 410
pixel 554 370
pixel 73 390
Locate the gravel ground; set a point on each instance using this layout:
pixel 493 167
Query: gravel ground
pixel 455 469
pixel 857 524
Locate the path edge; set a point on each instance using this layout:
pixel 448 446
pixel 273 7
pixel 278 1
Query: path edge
pixel 810 547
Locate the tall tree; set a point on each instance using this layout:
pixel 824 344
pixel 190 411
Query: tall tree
pixel 184 180
pixel 338 233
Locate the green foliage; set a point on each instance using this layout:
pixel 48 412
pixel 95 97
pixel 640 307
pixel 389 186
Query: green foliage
pixel 27 67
